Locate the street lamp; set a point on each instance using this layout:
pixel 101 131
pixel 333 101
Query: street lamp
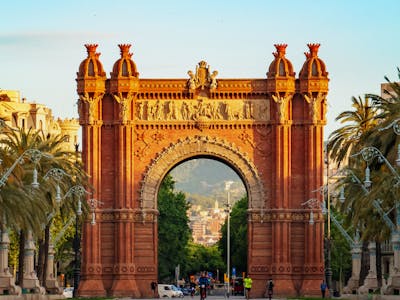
pixel 34 155
pixel 57 174
pixel 228 235
pixel 328 269
pixel 79 191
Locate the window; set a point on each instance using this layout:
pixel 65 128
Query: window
pixel 91 68
pixel 314 70
pixel 125 69
pixel 281 68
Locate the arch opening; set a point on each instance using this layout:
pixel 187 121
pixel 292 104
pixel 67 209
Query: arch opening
pixel 208 187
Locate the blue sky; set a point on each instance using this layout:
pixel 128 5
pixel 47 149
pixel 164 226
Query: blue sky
pixel 42 42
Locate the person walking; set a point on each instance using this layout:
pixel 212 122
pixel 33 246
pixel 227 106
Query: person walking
pixel 323 288
pixel 247 282
pixel 270 288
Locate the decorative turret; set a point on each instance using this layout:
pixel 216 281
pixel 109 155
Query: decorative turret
pixel 313 76
pixel 91 77
pixel 280 75
pixel 124 77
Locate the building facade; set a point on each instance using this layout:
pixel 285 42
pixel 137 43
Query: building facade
pixel 17 112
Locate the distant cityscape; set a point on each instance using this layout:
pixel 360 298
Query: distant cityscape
pixel 203 182
pixel 206 223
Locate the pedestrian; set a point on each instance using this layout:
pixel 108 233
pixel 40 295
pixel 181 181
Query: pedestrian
pixel 323 288
pixel 153 286
pixel 247 282
pixel 270 288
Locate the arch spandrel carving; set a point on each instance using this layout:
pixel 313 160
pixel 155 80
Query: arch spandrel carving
pixel 200 146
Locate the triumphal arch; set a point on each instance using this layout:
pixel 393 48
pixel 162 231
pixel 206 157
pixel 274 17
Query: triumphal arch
pixel 269 130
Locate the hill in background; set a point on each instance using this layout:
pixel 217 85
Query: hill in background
pixel 203 182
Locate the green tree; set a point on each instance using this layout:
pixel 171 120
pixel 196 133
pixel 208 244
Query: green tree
pixel 202 258
pixel 173 230
pixel 238 236
pixel 340 256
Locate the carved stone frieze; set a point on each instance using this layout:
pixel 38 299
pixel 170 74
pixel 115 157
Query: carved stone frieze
pixel 149 215
pixel 260 216
pixel 203 108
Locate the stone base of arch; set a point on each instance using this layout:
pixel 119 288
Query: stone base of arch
pixel 91 288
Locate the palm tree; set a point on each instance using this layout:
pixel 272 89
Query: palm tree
pixel 66 162
pixel 359 123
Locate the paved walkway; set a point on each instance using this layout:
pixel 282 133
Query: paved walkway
pixel 208 297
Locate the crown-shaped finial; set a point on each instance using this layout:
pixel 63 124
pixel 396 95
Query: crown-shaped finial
pixel 125 50
pixel 281 50
pixel 313 49
pixel 91 48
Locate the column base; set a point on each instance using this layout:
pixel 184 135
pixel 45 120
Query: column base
pixel 125 288
pixel 393 283
pixel 91 288
pixel 352 286
pixel 52 287
pixel 7 283
pixel 370 284
pixel 33 285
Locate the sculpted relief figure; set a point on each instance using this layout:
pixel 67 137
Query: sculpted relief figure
pixel 313 101
pixel 140 111
pixel 92 103
pixel 172 113
pixel 124 105
pixel 248 110
pixel 282 106
pixel 192 81
pixel 213 84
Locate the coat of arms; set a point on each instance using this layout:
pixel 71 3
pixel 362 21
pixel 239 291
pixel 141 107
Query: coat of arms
pixel 202 78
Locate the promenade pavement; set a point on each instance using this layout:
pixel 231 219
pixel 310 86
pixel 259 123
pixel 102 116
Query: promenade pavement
pixel 209 298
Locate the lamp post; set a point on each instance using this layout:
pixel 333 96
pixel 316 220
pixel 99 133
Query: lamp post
pixel 76 243
pixel 79 191
pixel 328 269
pixel 228 236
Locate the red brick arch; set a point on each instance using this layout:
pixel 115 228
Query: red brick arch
pixel 269 130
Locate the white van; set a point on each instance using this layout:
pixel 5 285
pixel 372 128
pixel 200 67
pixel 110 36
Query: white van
pixel 169 291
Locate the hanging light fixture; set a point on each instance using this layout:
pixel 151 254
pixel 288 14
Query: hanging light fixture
pixel 398 156
pixel 367 181
pixel 342 198
pixel 58 194
pixel 311 222
pixel 93 218
pixel 35 183
pixel 79 210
